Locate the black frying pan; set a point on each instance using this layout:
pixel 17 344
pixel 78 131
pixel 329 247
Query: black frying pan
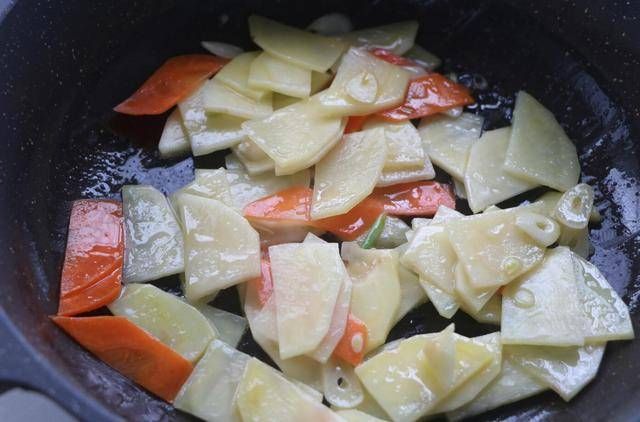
pixel 64 64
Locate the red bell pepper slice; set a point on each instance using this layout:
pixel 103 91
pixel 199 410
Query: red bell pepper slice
pixel 355 123
pixel 427 95
pixel 92 268
pixel 415 198
pixel 353 343
pixel 130 350
pixel 389 57
pixel 174 81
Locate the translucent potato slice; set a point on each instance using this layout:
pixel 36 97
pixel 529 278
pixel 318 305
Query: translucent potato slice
pixel 543 307
pixel 396 37
pixel 493 250
pixel 208 133
pixel 263 394
pixel 539 150
pixel 219 98
pixel 222 49
pixel 566 370
pixel 348 173
pixel 153 238
pixel 253 158
pixel 411 292
pixel 300 272
pixel 299 47
pixel 338 319
pixel 424 58
pixel 443 215
pixel 404 146
pixel 271 73
pixel 235 75
pixel 446 304
pixel 511 385
pixel 485 181
pixel 353 415
pixel 331 24
pixel 491 313
pixel 262 318
pixel 472 299
pixel 174 140
pixel 574 207
pixel 172 321
pixel 577 240
pixel 459 189
pixel 229 327
pixel 341 386
pixel 607 315
pixel 221 248
pixel 282 101
pixel 208 392
pixel 391 83
pixel 448 140
pixel 393 177
pixel 295 137
pixel 210 184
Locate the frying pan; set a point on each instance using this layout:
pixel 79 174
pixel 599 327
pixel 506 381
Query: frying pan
pixel 64 64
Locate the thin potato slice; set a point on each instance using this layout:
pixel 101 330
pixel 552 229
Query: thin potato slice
pixel 208 392
pixel 174 141
pixel 271 73
pixel 221 248
pixel 577 240
pixel 212 184
pixel 566 370
pixel 446 304
pixel 300 271
pixel 172 321
pixel 219 98
pixel 229 327
pixel 353 415
pixel 472 299
pixel 282 101
pixel 208 133
pixel 539 150
pixel 393 177
pixel 411 292
pixel 396 37
pixel 292 145
pixel 339 318
pixel 424 58
pixel 264 394
pixel 485 182
pixel 302 48
pixel 363 85
pixel 235 75
pixel 404 146
pixel 491 313
pixel 348 173
pixel 448 140
pixel 493 250
pixel 253 158
pixel 543 307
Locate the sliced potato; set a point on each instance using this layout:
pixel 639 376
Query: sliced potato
pixel 348 173
pixel 411 292
pixel 396 37
pixel 472 299
pixel 404 146
pixel 212 184
pixel 566 370
pixel 353 415
pixel 263 394
pixel 445 303
pixel 426 172
pixel 253 158
pixel 271 73
pixel 208 133
pixel 222 49
pixel 282 101
pixel 577 240
pixel 338 319
pixel 485 182
pixel 299 272
pixel 448 140
pixel 153 237
pixel 491 313
pixel 542 307
pixel 291 145
pixel 418 222
pixel 363 85
pixel 221 248
pixel 172 321
pixel 208 392
pixel 235 75
pixel 319 81
pixel 261 317
pixel 424 58
pixel 443 215
pixel 459 189
pixel 341 386
pixel 229 327
pixel 574 207
pixel 539 150
pixel 493 250
pixel 302 48
pixel 219 98
pixel 174 141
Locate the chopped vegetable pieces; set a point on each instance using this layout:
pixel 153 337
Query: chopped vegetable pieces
pixel 420 198
pixel 397 37
pixel 352 345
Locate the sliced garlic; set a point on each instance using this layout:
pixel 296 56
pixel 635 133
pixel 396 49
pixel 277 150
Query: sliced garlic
pixel 574 207
pixel 542 229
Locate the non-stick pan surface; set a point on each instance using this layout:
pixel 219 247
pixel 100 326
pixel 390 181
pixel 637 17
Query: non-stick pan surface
pixel 64 64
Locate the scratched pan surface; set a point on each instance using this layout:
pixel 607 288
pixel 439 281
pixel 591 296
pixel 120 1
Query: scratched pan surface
pixel 63 65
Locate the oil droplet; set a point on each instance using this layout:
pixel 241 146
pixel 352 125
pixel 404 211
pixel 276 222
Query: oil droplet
pixel 524 298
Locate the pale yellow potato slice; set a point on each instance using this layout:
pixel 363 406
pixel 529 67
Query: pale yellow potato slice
pixel 574 207
pixel 153 238
pixel 174 141
pixel 397 37
pixel 607 315
pixel 319 81
pixel 348 173
pixel 445 303
pixel 229 327
pixel 443 215
pixel 459 189
pixel 491 313
pixel 353 415
pixel 219 98
pixel 393 177
pixel 511 384
pixel 493 250
pixel 295 137
pixel 282 101
pixel 542 307
pixel 341 386
pixel 577 240
pixel 404 146
pixel 235 75
pixel 485 181
pixel 253 158
pixel 471 299
pixel 172 321
pixel 222 49
pixel 262 318
pixel 208 133
pixel 566 370
pixel 448 140
pixel 299 272
pixel 299 47
pixel 363 85
pixel 411 292
pixel 539 151
pixel 212 184
pixel 264 394
pixel 424 58
pixel 209 391
pixel 221 248
pixel 339 318
pixel 271 73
